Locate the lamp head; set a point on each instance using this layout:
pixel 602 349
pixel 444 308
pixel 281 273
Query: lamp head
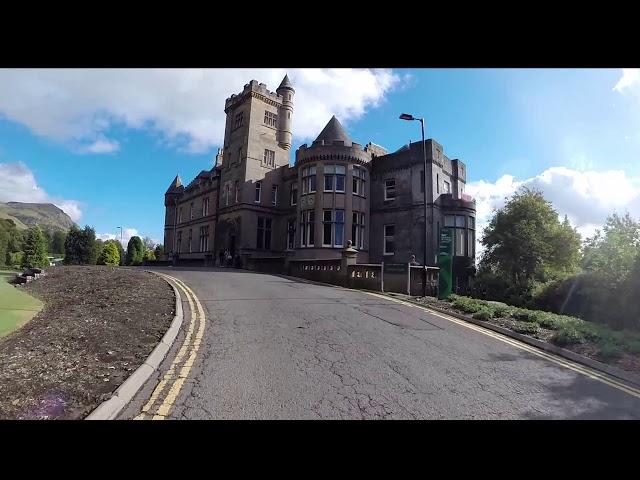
pixel 406 116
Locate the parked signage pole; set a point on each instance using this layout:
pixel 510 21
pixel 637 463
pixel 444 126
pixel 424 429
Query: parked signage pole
pixel 445 262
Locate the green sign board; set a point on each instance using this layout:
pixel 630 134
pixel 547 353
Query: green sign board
pixel 445 262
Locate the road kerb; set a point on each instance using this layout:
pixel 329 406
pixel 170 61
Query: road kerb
pixel 561 352
pixel 109 409
pixel 548 347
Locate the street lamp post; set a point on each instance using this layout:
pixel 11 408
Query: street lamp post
pixel 406 116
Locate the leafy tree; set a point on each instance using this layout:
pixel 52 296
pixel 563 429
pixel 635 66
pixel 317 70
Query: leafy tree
pixel 149 255
pixel 121 252
pixel 97 251
pixel 11 240
pixel 110 254
pixel 630 306
pixel 48 239
pixel 135 251
pixel 159 252
pixel 526 244
pixel 16 239
pixel 57 242
pixel 612 252
pixel 80 246
pixel 15 259
pixel 35 249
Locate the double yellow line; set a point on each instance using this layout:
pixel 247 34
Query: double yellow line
pixel 589 372
pixel 167 391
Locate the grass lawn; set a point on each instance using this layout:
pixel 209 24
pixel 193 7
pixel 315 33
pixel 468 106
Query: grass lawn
pixel 16 307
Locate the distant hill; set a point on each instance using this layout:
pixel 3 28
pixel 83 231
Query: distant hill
pixel 46 215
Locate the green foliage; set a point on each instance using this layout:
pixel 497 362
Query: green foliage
pixel 466 304
pixel 121 252
pixel 484 313
pixel 4 242
pixel 568 330
pixel 634 346
pixel 159 252
pixel 35 249
pixel 568 335
pixel 526 328
pixel 612 252
pixel 610 350
pixel 135 251
pixel 80 246
pixel 57 242
pixel 525 245
pixel 149 255
pixel 97 251
pixel 11 240
pixel 501 310
pixel 523 315
pixel 15 259
pixel 110 254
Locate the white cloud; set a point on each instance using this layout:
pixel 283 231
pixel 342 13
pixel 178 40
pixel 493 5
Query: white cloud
pixel 18 184
pixel 101 146
pixel 184 105
pixel 630 77
pixel 586 197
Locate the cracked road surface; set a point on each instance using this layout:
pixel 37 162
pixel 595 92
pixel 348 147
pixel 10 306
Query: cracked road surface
pixel 276 348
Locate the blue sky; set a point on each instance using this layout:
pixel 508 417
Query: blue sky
pixel 105 144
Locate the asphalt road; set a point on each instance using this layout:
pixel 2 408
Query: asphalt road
pixel 276 348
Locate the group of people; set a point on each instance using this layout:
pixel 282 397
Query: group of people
pixel 226 259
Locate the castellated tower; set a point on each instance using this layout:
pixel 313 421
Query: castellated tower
pixel 285 113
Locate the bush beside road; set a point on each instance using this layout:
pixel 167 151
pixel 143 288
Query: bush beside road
pixel 599 342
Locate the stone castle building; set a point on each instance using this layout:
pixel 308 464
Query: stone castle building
pixel 261 209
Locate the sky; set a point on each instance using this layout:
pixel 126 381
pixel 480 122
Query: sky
pixel 104 144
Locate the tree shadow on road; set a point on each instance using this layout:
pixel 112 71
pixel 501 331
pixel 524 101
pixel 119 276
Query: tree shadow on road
pixel 586 399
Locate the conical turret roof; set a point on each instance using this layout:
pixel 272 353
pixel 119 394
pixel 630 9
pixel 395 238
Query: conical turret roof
pixel 333 131
pixel 286 83
pixel 175 185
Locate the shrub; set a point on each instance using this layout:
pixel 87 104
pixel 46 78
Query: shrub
pixel 135 251
pixel 467 305
pixel 523 315
pixel 592 331
pixel 15 259
pixel 502 310
pixel 483 314
pixel 526 327
pixel 567 335
pixel 610 350
pixel 110 255
pixel 633 346
pixel 35 249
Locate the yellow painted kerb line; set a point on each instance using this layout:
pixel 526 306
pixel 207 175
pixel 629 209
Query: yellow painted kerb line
pixel 584 370
pixel 190 345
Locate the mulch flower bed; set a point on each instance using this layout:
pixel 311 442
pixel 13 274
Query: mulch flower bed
pixel 98 325
pixel 627 361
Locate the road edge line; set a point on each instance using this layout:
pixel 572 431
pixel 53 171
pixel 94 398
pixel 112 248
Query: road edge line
pixel 631 378
pixel 533 342
pixel 109 409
